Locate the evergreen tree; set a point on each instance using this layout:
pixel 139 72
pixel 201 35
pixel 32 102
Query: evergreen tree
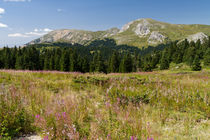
pixel 74 66
pixel 126 64
pixel 139 63
pixel 46 63
pixel 114 63
pixel 57 59
pixel 93 63
pixel 207 57
pixel 164 63
pixel 190 54
pixel 196 66
pixel 51 63
pixel 64 61
pixel 99 64
pixel 85 65
pixel 19 61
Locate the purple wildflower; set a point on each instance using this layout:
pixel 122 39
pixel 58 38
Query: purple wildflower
pixel 132 137
pixel 64 114
pixel 37 116
pixel 46 138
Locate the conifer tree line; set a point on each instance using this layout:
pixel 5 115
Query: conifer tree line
pixel 78 60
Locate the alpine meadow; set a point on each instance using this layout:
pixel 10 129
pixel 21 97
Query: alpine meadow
pixel 144 80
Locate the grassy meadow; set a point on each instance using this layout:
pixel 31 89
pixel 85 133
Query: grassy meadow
pixel 166 105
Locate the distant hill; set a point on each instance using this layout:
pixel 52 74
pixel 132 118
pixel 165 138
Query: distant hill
pixel 139 33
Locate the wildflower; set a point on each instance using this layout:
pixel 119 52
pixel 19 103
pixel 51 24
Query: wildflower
pixel 132 137
pixel 46 138
pixel 108 136
pixel 64 114
pixel 150 139
pixel 37 116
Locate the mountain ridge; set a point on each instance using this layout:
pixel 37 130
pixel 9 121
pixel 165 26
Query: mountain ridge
pixel 139 33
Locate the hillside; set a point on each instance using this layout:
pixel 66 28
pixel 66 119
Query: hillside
pixel 141 32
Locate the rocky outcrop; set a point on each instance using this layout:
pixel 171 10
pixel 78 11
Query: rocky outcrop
pixel 156 37
pixel 143 28
pixel 197 36
pixel 126 27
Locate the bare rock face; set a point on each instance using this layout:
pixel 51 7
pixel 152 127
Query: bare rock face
pixel 156 37
pixel 143 28
pixel 197 36
pixel 126 27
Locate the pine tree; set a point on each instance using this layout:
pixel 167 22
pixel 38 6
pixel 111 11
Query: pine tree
pixel 52 63
pixel 7 58
pixel 139 63
pixel 126 64
pixel 85 65
pixel 207 57
pixel 190 54
pixel 74 66
pixel 19 61
pixel 164 63
pixel 196 66
pixel 46 63
pixel 57 62
pixel 122 66
pixel 114 63
pixel 64 61
pixel 99 64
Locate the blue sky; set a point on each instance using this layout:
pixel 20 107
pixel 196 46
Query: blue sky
pixel 24 20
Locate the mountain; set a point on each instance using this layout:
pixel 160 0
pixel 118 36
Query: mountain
pixel 141 32
pixel 74 36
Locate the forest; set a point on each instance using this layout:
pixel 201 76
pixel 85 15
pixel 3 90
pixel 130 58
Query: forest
pixel 105 56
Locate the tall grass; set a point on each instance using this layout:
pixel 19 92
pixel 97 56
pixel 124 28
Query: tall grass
pixel 138 106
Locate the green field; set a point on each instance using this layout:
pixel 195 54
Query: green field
pixel 166 105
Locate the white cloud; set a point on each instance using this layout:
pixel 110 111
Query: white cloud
pixel 17 35
pixel 36 32
pixel 17 0
pixel 47 30
pixel 59 10
pixel 3 25
pixel 2 11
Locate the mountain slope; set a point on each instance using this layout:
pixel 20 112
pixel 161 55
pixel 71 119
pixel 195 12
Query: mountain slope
pixel 74 36
pixel 141 32
pixel 144 32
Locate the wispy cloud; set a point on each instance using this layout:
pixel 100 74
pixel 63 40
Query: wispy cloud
pixel 3 25
pixel 17 0
pixel 59 10
pixel 2 11
pixel 36 32
pixel 17 35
